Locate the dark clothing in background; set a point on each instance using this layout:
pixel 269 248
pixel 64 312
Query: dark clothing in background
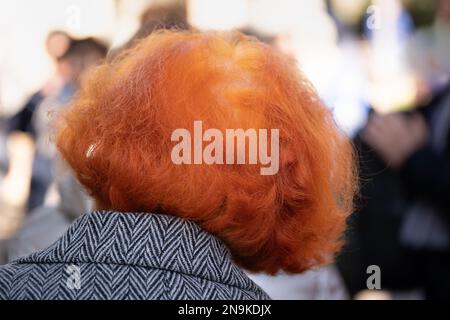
pixel 41 178
pixel 427 171
pixel 372 237
pixel 21 121
pixel 402 221
pixel 33 119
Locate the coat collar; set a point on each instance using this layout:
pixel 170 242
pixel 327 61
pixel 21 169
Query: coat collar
pixel 145 240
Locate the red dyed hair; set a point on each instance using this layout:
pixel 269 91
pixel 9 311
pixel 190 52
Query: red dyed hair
pixel 116 137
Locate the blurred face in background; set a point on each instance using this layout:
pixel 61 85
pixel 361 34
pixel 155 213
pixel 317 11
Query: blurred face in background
pixel 73 66
pixel 57 44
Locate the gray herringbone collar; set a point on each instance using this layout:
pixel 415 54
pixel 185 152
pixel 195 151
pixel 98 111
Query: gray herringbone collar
pixel 145 240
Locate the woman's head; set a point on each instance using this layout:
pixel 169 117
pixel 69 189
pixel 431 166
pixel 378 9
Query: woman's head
pixel 116 135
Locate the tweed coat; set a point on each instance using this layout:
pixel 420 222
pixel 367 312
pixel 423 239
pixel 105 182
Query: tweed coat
pixel 113 255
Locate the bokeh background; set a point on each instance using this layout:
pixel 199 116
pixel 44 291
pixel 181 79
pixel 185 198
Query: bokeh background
pixel 381 66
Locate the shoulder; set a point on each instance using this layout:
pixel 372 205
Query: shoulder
pixel 8 273
pixel 97 281
pixel 191 287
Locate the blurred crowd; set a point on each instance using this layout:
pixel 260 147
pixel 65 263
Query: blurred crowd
pixel 381 66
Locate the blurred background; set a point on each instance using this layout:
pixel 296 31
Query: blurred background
pixel 381 66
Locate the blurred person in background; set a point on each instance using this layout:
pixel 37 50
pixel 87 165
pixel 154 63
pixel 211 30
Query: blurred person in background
pixel 157 17
pixel 74 61
pixel 347 93
pixel 57 44
pixel 429 52
pixel 416 148
pixel 405 170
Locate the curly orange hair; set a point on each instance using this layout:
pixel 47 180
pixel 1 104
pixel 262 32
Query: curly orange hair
pixel 116 137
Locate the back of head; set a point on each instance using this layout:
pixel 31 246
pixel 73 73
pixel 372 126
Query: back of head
pixel 165 17
pixel 83 54
pixel 154 18
pixel 116 135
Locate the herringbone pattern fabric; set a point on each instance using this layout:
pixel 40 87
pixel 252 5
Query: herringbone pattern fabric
pixel 130 256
